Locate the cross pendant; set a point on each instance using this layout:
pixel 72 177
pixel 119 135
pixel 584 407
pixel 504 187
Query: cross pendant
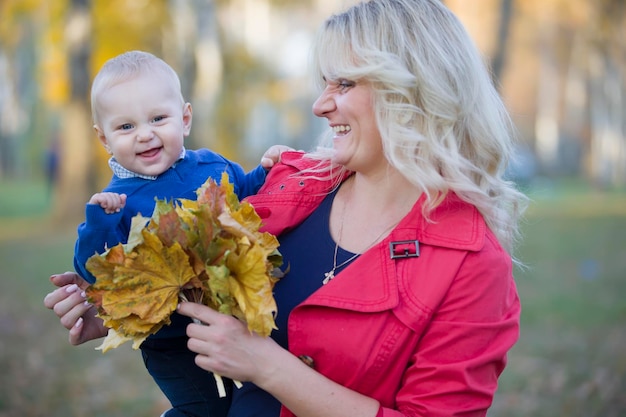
pixel 328 276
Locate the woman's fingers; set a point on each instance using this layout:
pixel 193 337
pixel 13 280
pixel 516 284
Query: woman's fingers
pixel 60 294
pixel 198 311
pixel 67 278
pixel 68 303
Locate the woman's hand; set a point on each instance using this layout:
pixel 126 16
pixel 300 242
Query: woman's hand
pixel 225 345
pixel 69 303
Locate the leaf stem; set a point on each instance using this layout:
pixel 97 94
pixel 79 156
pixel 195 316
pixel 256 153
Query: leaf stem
pixel 221 389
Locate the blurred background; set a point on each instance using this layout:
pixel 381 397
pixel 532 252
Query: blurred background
pixel 559 64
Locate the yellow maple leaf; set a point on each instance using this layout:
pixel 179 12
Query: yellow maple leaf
pixel 136 293
pixel 251 288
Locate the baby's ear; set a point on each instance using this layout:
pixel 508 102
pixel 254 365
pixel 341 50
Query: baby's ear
pixel 99 131
pixel 187 117
pixel 102 138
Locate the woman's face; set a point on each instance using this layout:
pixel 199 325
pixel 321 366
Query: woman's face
pixel 348 107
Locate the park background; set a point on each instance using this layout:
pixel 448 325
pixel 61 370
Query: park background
pixel 559 64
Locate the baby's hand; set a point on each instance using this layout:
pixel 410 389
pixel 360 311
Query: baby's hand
pixel 110 202
pixel 272 155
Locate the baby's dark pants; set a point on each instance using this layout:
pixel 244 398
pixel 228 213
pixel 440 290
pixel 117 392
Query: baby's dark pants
pixel 191 390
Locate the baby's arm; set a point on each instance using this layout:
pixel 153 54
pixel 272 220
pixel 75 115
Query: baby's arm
pixel 110 202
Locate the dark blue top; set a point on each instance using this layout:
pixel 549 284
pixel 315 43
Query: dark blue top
pixel 308 250
pixel 180 181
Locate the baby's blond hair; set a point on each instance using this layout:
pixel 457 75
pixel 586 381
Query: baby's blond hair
pixel 126 66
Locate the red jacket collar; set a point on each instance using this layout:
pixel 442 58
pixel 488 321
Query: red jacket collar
pixel 454 224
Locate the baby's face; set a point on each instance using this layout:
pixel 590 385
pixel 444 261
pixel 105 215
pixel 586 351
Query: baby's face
pixel 143 122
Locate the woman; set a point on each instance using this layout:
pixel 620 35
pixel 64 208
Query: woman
pixel 398 232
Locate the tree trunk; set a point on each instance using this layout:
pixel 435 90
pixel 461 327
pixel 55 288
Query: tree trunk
pixel 499 58
pixel 76 131
pixel 575 121
pixel 607 156
pixel 194 51
pixel 548 96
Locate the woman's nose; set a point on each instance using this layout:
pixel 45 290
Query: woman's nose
pixel 324 104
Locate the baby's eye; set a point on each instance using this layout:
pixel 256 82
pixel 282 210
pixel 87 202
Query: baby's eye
pixel 126 126
pixel 158 118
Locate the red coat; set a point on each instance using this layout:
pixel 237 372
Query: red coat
pixel 425 335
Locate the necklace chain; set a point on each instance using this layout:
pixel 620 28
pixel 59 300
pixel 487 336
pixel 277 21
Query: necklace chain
pixel 328 276
pixel 331 274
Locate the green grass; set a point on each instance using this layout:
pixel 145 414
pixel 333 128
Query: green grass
pixel 42 374
pixel 23 199
pixel 570 359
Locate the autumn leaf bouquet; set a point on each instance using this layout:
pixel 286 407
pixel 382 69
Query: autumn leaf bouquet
pixel 208 250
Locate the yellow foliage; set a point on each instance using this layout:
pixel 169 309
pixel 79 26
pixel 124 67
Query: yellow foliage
pixel 18 16
pixel 208 251
pixel 137 292
pixel 120 26
pixel 14 13
pixel 53 75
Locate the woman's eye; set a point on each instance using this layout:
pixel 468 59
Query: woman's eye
pixel 345 84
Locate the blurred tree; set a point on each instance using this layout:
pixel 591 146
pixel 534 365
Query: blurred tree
pixel 498 60
pixel 18 95
pixel 245 81
pixel 489 23
pixel 581 89
pixel 76 150
pixel 215 46
pixel 606 152
pixel 191 45
pixel 94 32
pixel 235 73
pixel 120 26
pixel 560 65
